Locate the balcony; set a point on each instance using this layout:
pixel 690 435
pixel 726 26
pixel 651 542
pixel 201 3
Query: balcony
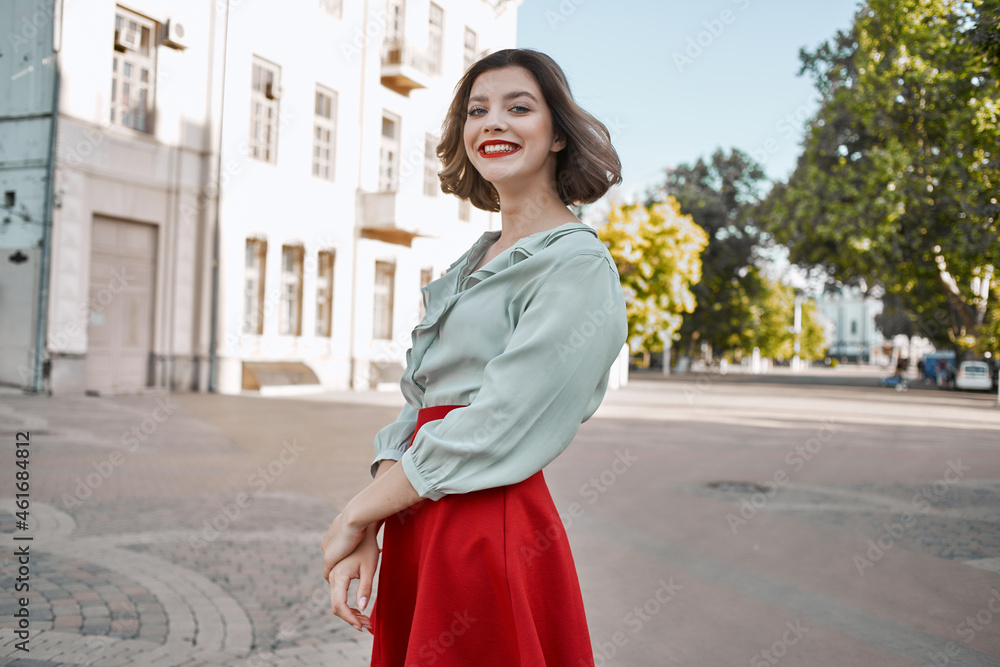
pixel 405 68
pixel 391 217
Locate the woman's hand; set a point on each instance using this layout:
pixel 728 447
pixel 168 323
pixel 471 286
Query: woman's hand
pixel 361 564
pixel 341 538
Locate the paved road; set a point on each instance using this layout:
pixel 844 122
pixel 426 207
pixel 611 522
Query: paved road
pixel 715 521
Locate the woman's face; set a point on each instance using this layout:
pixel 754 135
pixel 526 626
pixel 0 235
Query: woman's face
pixel 509 133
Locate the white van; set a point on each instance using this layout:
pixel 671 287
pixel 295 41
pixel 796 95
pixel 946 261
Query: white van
pixel 974 375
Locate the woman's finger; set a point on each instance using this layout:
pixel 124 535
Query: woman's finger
pixel 365 586
pixel 340 582
pixel 327 567
pixel 366 622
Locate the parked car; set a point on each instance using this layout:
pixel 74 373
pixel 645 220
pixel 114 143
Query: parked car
pixel 974 375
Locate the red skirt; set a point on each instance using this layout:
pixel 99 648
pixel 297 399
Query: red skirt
pixel 483 578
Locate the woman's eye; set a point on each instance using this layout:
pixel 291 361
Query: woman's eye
pixel 520 108
pixel 472 112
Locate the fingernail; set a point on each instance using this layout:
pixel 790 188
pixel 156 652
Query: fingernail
pixel 362 602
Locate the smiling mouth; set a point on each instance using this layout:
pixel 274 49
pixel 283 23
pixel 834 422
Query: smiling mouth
pixel 498 150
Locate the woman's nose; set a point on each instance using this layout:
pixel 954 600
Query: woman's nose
pixel 493 124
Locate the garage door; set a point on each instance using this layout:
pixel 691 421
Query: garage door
pixel 120 333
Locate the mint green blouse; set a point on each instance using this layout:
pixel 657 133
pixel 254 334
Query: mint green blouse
pixel 526 342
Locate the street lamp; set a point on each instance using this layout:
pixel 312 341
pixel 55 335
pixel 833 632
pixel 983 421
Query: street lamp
pixel 795 330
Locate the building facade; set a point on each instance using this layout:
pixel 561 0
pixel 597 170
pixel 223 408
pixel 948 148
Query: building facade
pixel 332 215
pixel 228 196
pixel 851 334
pixel 27 108
pixel 125 298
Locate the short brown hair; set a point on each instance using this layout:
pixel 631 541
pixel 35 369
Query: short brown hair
pixel 585 169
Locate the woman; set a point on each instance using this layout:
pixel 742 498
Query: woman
pixel 513 355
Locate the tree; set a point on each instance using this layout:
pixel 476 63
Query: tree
pixel 721 197
pixel 658 254
pixel 812 341
pixel 895 319
pixel 770 326
pixel 898 181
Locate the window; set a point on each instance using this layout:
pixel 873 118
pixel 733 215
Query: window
pixel 253 286
pixel 334 8
pixel 464 210
pixel 290 314
pixel 388 178
pixel 385 278
pixel 854 327
pixel 266 85
pixel 469 51
pixel 394 20
pixel 426 276
pixel 435 39
pixel 324 294
pixel 325 133
pixel 133 67
pixel 431 164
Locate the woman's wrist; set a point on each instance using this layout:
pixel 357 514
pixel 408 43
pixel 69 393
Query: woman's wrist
pixel 372 532
pixel 351 520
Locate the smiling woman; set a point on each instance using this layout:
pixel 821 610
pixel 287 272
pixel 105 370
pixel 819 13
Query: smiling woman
pixel 521 83
pixel 513 355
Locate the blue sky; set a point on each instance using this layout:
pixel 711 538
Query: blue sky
pixel 674 80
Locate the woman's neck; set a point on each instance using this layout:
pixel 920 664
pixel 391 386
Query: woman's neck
pixel 530 212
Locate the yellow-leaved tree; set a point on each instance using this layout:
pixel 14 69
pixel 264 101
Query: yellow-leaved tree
pixel 658 253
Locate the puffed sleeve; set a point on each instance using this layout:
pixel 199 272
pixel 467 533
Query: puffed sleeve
pixel 391 441
pixel 550 378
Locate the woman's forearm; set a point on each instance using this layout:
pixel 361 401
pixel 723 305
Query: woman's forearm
pixel 389 493
pixel 383 466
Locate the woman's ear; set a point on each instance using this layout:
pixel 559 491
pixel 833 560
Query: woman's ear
pixel 559 141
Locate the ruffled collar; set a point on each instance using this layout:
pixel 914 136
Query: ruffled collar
pixel 524 247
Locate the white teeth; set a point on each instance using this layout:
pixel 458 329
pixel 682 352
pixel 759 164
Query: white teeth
pixel 499 148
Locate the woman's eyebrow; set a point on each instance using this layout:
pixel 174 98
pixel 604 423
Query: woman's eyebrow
pixel 508 96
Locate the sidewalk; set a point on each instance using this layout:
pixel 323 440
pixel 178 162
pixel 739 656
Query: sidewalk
pixel 185 529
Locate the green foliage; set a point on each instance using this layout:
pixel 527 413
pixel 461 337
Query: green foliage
pixel 895 319
pixel 770 325
pixel 989 339
pixel 898 182
pixel 721 196
pixel 812 340
pixel 657 251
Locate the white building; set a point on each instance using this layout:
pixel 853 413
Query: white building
pixel 851 334
pixel 26 111
pixel 332 181
pixel 243 194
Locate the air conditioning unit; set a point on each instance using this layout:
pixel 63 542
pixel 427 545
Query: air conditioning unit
pixel 271 91
pixel 127 39
pixel 173 34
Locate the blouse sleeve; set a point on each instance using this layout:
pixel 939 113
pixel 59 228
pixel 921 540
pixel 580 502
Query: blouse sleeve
pixel 550 378
pixel 391 441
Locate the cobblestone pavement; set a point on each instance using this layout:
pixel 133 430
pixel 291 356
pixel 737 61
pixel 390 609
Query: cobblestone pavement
pixel 160 539
pixel 714 521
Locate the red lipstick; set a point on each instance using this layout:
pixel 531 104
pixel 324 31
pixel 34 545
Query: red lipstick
pixel 500 153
